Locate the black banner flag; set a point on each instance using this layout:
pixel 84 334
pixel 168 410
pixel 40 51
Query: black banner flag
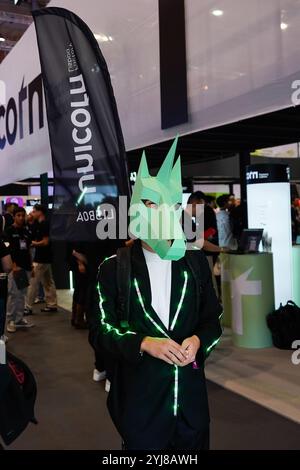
pixel 88 153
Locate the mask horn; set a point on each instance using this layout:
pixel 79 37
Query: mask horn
pixel 176 173
pixel 143 168
pixel 166 168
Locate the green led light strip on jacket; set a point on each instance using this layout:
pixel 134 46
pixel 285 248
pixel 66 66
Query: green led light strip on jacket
pixel 181 301
pixel 108 326
pixel 175 407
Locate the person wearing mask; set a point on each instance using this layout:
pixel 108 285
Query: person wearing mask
pixel 18 279
pixel 158 398
pixel 42 263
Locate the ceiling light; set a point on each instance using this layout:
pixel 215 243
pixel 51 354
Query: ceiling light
pixel 283 26
pixel 2 39
pixel 101 37
pixel 217 12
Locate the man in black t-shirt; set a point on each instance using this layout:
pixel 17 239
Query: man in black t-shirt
pixel 42 263
pixel 9 209
pixel 18 279
pixel 5 268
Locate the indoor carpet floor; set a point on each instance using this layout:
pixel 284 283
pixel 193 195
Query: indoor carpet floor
pixel 71 408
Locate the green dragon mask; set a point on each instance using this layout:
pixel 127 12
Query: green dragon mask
pixel 158 223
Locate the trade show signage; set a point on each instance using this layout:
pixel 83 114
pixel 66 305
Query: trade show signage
pixel 269 207
pixel 86 140
pixel 261 173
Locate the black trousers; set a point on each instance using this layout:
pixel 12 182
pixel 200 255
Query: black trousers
pixel 184 438
pixel 187 438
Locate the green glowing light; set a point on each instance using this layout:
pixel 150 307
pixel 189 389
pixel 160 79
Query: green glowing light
pixel 212 345
pixel 181 300
pixel 176 390
pixel 145 312
pixel 139 296
pixel 107 325
pixel 81 196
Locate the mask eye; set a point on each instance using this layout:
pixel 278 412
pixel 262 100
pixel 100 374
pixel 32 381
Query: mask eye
pixel 149 204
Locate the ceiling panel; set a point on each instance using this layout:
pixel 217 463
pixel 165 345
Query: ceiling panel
pixel 14 20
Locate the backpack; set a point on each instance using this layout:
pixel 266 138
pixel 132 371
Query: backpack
pixel 284 324
pixel 17 398
pixel 124 280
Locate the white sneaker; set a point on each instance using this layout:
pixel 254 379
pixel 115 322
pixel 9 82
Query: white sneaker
pixel 107 385
pixel 4 338
pixel 11 327
pixel 98 376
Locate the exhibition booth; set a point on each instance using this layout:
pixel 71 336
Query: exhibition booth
pixel 235 108
pixel 264 273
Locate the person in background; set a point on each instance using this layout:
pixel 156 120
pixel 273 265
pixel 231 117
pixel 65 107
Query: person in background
pixel 210 221
pixel 210 243
pixel 78 265
pixel 9 214
pixel 5 268
pixel 30 224
pixel 2 224
pixel 236 220
pixel 226 238
pixel 211 201
pixel 232 201
pixel 18 279
pixel 42 263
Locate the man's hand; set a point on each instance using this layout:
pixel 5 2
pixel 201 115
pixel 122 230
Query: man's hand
pixel 191 346
pixel 165 349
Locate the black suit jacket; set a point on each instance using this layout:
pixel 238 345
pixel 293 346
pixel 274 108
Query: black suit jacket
pixel 141 399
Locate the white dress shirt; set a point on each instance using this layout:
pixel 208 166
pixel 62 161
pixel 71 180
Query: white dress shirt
pixel 160 274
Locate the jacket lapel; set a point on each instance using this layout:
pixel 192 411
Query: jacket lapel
pixel 178 268
pixel 140 272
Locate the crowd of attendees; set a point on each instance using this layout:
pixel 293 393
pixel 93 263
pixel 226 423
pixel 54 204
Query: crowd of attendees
pixel 25 250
